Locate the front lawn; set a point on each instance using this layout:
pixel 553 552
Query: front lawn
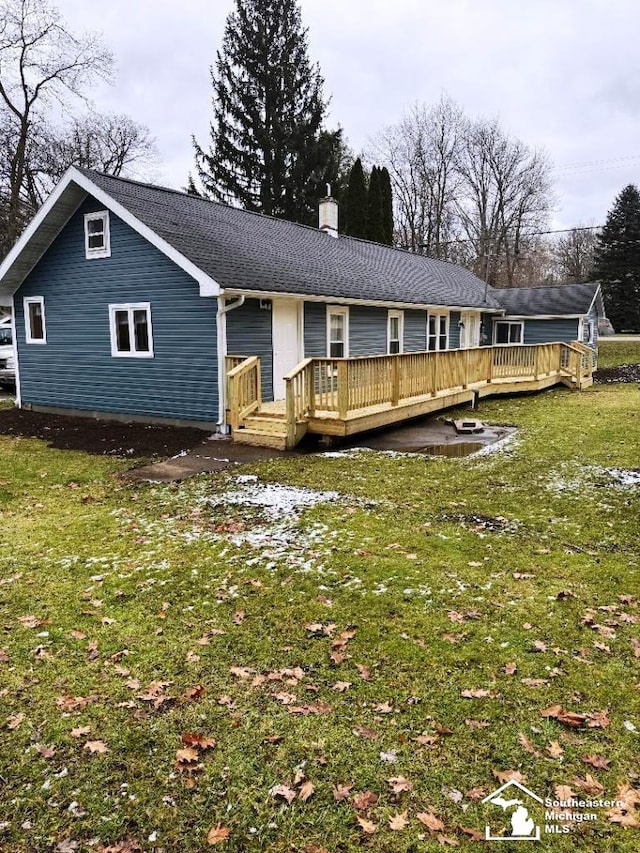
pixel 613 353
pixel 325 653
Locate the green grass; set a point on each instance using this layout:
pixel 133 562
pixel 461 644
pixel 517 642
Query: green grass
pixel 612 353
pixel 446 571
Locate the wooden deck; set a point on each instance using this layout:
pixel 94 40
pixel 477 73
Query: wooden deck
pixel 341 397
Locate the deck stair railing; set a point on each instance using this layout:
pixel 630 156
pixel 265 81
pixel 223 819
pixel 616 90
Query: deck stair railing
pixel 244 394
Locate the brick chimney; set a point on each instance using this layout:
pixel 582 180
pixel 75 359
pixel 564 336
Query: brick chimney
pixel 329 214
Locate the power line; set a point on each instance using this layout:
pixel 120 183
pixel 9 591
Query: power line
pixel 522 236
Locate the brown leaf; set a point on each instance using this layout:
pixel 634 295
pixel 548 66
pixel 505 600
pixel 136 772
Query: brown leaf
pixel 510 668
pixel 554 749
pixel 563 792
pixel 365 672
pixel 446 841
pixel 476 794
pixel 433 823
pixel 341 792
pixel 427 740
pixel 508 776
pixel 46 751
pixel 218 834
pixel 196 741
pixel 194 693
pixel 477 724
pixel 473 834
pixel 398 822
pixel 589 784
pixel 597 761
pixel 568 718
pixel 306 790
pixel 96 746
pixel 539 646
pixel 341 686
pixel 73 703
pixel 15 721
pixel 479 693
pixel 364 800
pixel 283 791
pixel 383 708
pixel 367 826
pixel 527 744
pixel 623 817
pixel 399 784
pixel 635 644
pixel 368 734
pixel 81 731
pixel 535 682
pixel 4 656
pixel 238 618
pixel 599 720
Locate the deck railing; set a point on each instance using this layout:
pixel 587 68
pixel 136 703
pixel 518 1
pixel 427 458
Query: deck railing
pixel 244 392
pixel 342 386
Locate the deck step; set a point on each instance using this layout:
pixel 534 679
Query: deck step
pixel 261 438
pixel 258 422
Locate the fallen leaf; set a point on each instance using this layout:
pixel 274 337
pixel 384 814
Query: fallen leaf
pixel 398 822
pixel 342 792
pixel 341 686
pixel 476 794
pixel 368 734
pixel 527 744
pixel 623 817
pixel 96 746
pixel 306 790
pixel 15 721
pixel 217 834
pixel 508 776
pixel 365 672
pixel 510 668
pixel 473 834
pixel 399 784
pixel 445 841
pixel 194 693
pixel 433 823
pixel 238 618
pixel 479 693
pixel 81 731
pixel 554 749
pixel 367 825
pixel 364 800
pixel 597 761
pixel 563 792
pixel 598 720
pixel 46 751
pixel 589 785
pixel 196 741
pixel 284 792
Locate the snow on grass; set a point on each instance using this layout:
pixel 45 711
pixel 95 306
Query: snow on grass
pixel 504 445
pixel 576 478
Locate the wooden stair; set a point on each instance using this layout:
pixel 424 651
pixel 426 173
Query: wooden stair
pixel 264 429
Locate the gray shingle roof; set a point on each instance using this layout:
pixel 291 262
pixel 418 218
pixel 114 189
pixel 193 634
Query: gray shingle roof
pixel 554 301
pixel 248 251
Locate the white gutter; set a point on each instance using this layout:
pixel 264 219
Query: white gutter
pixel 221 329
pixel 16 362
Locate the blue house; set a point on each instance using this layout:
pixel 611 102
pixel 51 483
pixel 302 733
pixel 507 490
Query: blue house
pixel 137 302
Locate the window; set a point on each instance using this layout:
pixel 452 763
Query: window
pixel 337 332
pixel 6 338
pixel 97 240
pixel 437 332
pixel 506 332
pixel 34 320
pixel 587 331
pixel 131 334
pixel 395 332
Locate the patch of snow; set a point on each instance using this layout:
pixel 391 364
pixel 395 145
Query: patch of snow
pixel 506 444
pixel 279 501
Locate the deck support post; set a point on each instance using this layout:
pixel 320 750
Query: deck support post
pixel 311 390
pixel 343 388
pixel 290 414
pixel 395 380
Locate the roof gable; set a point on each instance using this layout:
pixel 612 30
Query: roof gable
pixel 564 300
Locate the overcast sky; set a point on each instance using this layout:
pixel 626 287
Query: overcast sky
pixel 561 74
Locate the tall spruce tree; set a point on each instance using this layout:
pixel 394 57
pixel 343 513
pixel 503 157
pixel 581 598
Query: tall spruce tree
pixel 356 203
pixel 617 260
pixel 268 151
pixel 375 221
pixel 387 206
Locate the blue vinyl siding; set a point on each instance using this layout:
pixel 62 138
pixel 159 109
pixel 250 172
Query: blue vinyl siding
pixel 315 329
pixel 550 331
pixel 249 333
pixel 367 330
pixel 75 369
pixel 415 331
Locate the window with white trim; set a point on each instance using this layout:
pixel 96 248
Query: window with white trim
pixel 97 239
pixel 35 324
pixel 508 332
pixel 131 333
pixel 337 331
pixel 395 332
pixel 437 332
pixel 587 331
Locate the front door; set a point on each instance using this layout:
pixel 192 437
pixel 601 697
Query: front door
pixel 287 342
pixel 470 330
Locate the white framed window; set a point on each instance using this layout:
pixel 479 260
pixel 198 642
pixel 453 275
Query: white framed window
pixel 508 332
pixel 587 331
pixel 438 331
pixel 35 324
pixel 97 239
pixel 337 331
pixel 131 332
pixel 395 332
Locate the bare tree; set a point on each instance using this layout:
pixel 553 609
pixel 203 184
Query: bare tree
pixel 506 196
pixel 41 63
pixel 574 254
pixel 421 152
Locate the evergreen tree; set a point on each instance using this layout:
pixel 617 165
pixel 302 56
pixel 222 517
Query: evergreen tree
pixel 387 206
pixel 355 203
pixel 268 152
pixel 375 223
pixel 617 260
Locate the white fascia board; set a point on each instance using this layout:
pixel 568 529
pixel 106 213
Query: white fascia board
pixel 595 296
pixel 347 300
pixel 208 287
pixel 541 317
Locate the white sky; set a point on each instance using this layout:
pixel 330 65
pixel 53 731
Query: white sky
pixel 561 74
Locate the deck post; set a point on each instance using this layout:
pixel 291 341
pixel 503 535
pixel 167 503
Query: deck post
pixel 535 363
pixel 290 413
pixel 343 388
pixel 311 389
pixel 395 380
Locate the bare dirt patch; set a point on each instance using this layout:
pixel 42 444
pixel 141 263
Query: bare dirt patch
pixel 101 438
pixel 622 373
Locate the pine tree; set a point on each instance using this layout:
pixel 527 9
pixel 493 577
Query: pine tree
pixel 356 202
pixel 375 223
pixel 387 206
pixel 617 260
pixel 268 152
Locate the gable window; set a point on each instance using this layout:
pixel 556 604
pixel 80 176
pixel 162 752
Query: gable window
pixel 508 332
pixel 587 331
pixel 35 324
pixel 97 240
pixel 337 331
pixel 437 332
pixel 395 332
pixel 131 334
